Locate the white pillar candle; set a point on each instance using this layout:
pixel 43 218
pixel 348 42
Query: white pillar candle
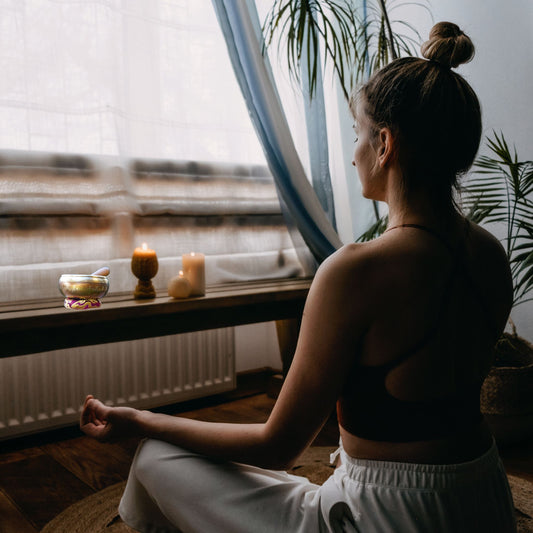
pixel 194 270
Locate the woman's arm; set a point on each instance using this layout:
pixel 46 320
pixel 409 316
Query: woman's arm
pixel 332 326
pixel 229 441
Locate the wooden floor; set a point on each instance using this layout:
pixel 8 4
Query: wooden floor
pixel 43 475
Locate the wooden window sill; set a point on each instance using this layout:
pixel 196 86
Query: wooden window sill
pixel 46 325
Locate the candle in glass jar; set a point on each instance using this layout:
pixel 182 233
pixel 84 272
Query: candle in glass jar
pixel 194 270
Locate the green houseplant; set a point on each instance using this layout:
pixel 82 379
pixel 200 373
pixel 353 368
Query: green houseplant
pixel 500 193
pixel 356 40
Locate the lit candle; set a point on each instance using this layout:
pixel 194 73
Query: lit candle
pixel 144 265
pixel 179 287
pixel 194 269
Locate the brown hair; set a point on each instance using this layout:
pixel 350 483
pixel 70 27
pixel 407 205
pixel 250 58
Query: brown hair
pixel 433 112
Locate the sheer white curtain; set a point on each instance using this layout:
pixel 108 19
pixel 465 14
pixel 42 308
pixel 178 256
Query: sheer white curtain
pixel 121 122
pixel 120 77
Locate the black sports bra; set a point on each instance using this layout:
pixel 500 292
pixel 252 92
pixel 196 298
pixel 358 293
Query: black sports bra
pixel 366 408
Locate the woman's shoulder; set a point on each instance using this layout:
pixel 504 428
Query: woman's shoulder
pixel 485 242
pixel 488 260
pixel 353 258
pixel 396 253
pixel 345 287
pixel 390 252
pixel 487 255
pixel 358 267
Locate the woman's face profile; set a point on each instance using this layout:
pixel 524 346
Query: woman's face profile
pixel 365 156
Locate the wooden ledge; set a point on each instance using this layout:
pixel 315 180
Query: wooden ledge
pixel 46 325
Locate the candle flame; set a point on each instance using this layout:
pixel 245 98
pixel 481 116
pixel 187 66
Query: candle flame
pixel 192 253
pixel 181 273
pixel 144 246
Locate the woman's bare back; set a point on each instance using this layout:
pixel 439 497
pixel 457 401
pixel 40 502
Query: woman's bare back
pixel 440 303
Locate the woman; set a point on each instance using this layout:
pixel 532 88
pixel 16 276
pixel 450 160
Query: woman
pixel 397 332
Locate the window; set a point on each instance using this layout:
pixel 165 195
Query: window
pixel 122 123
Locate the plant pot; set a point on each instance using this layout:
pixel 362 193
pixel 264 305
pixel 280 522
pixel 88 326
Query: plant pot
pixel 507 392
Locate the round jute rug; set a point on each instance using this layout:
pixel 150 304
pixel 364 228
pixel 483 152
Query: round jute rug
pixel 98 513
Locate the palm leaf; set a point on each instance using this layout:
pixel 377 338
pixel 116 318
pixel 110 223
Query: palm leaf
pixel 375 230
pixel 352 45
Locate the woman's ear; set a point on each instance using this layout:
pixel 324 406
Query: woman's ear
pixel 385 147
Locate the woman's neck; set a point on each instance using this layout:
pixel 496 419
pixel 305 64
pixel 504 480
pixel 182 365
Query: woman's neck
pixel 419 209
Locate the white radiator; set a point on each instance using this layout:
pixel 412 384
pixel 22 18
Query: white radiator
pixel 45 391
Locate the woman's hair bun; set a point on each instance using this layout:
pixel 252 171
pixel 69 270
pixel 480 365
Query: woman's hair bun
pixel 448 45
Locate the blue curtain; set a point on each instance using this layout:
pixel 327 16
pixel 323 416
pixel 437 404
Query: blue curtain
pixel 317 139
pixel 240 25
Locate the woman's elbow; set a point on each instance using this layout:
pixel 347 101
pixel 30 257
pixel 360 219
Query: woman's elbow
pixel 276 461
pixel 280 455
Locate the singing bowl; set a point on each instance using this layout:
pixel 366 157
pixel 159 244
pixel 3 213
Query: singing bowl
pixel 83 286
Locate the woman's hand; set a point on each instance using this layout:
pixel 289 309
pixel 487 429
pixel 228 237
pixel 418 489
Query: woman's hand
pixel 106 423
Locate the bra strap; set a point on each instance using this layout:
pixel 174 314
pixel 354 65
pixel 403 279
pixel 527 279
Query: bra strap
pixel 427 230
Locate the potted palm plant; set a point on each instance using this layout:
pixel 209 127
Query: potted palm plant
pixel 500 192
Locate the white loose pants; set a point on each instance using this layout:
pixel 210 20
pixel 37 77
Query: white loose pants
pixel 171 489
